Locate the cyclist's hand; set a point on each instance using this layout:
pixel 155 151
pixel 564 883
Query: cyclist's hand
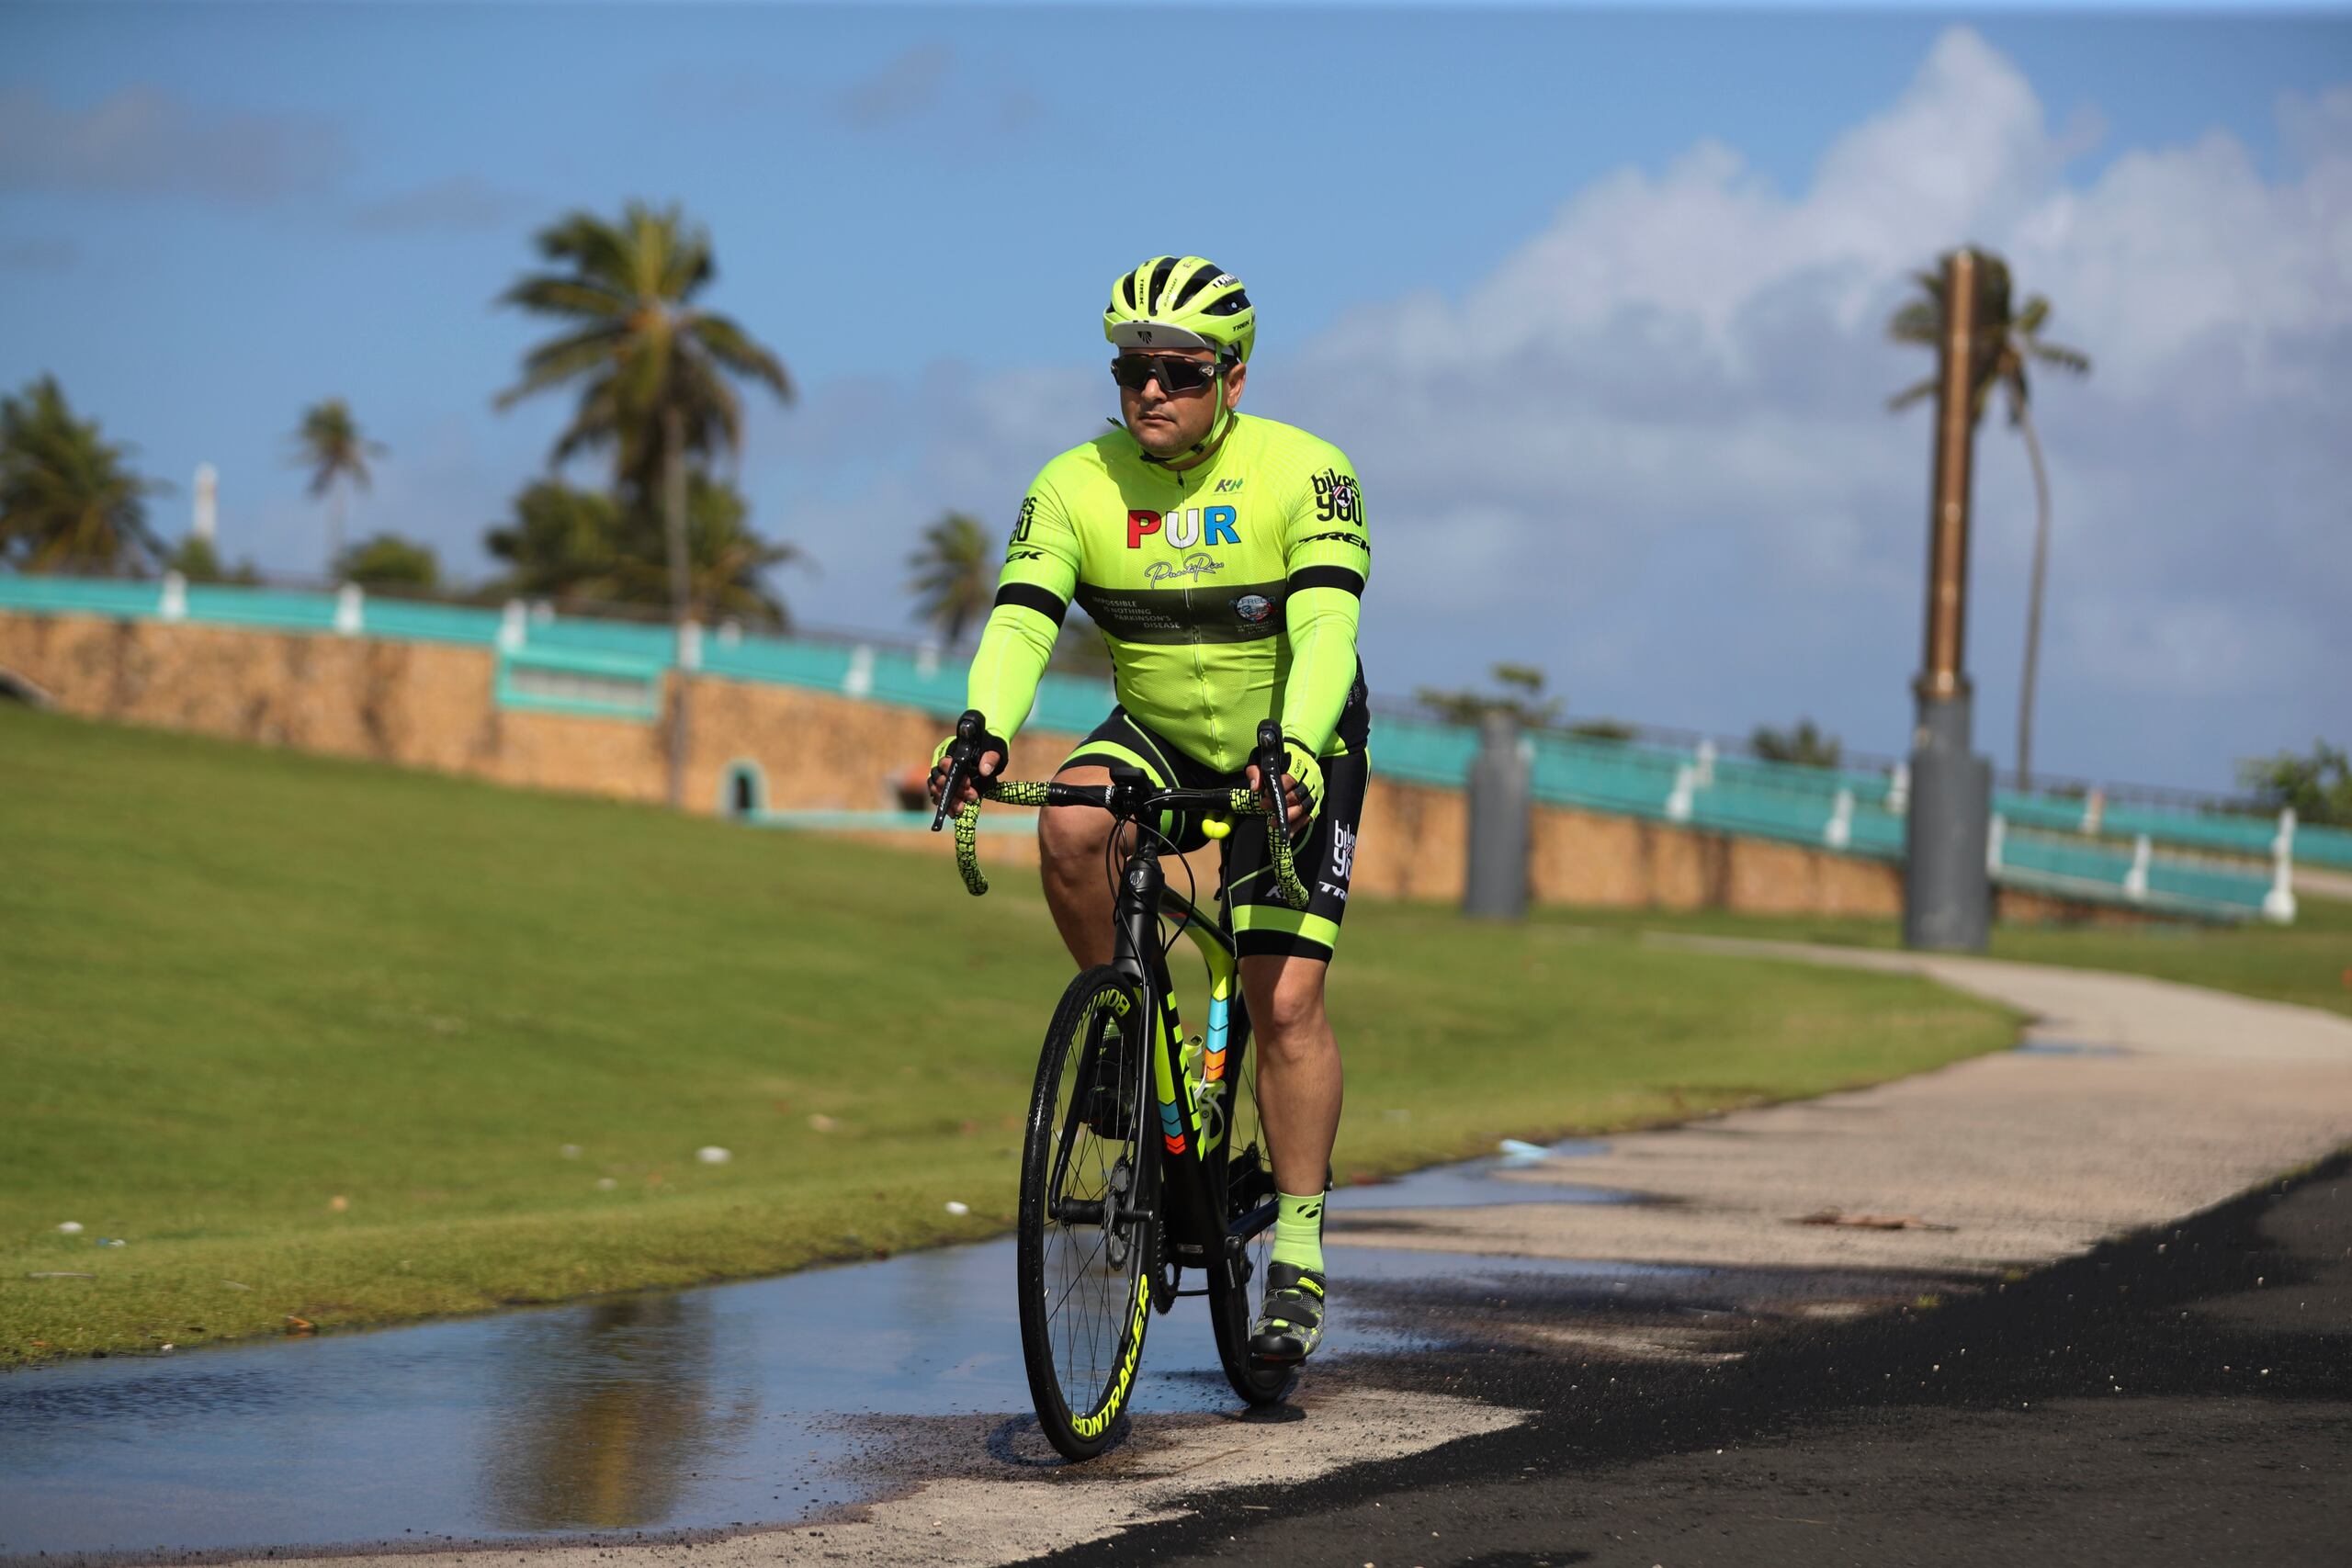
pixel 992 763
pixel 1302 785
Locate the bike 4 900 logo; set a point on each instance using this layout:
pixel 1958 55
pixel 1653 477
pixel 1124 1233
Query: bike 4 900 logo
pixel 1336 498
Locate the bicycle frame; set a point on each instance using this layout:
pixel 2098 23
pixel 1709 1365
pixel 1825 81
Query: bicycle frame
pixel 1193 1130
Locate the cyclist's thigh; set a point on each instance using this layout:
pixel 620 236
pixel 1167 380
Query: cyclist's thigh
pixel 1266 926
pixel 1124 742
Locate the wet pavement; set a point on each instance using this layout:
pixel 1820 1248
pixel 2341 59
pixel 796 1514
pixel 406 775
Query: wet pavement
pixel 2183 1397
pixel 703 1410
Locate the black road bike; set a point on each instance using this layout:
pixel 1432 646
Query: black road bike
pixel 1143 1156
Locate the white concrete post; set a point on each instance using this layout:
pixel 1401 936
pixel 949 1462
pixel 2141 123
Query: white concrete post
pixel 175 602
pixel 926 660
pixel 859 682
pixel 1678 803
pixel 1995 843
pixel 350 609
pixel 689 645
pixel 730 632
pixel 1840 831
pixel 2279 904
pixel 2135 881
pixel 514 625
pixel 1898 793
pixel 207 518
pixel 1706 779
pixel 2094 811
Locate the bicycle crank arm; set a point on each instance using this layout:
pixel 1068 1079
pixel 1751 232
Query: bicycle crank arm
pixel 1086 1212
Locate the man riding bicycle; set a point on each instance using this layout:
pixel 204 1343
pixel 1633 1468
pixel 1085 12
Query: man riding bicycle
pixel 1223 557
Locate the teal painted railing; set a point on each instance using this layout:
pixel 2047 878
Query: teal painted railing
pixel 2045 840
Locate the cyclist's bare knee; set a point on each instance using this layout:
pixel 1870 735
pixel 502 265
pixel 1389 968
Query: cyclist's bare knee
pixel 1070 837
pixel 1285 994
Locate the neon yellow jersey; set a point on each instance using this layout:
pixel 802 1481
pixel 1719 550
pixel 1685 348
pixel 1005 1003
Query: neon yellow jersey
pixel 1228 593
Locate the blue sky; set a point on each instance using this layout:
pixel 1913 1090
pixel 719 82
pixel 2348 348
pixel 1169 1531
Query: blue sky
pixel 211 215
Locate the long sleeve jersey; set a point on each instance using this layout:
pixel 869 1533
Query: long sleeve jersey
pixel 1228 594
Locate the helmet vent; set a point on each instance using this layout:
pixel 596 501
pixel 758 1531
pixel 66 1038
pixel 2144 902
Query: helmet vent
pixel 1159 282
pixel 1232 304
pixel 1208 273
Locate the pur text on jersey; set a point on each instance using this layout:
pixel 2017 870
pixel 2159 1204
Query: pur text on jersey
pixel 1184 528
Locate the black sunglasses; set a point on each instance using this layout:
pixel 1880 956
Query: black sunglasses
pixel 1136 371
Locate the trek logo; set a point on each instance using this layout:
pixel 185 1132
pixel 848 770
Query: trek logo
pixel 1335 497
pixel 1025 555
pixel 1182 528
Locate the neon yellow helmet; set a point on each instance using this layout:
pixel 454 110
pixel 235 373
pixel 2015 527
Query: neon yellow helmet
pixel 1181 303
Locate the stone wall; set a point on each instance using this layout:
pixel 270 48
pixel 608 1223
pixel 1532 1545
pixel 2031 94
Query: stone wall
pixel 432 705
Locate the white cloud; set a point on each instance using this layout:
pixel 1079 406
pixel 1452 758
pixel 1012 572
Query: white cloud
pixel 460 202
pixel 1650 447
pixel 1669 402
pixel 145 140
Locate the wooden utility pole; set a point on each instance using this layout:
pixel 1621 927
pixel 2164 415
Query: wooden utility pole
pixel 1947 895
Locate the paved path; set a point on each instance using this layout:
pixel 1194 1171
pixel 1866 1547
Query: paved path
pixel 2137 1102
pixel 2142 1102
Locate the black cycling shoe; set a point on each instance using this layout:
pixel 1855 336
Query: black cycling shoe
pixel 1290 1324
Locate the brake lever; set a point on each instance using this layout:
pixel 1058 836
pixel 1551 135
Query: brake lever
pixel 969 729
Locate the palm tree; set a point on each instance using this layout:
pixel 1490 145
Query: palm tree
pixel 329 444
pixel 652 368
pixel 564 542
pixel 955 569
pixel 2016 343
pixel 68 497
pixel 725 559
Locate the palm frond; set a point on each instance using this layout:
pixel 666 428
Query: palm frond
pixel 1911 394
pixel 732 346
pixel 2069 359
pixel 576 296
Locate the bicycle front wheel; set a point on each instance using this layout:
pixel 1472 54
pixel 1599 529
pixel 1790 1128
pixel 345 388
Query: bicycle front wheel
pixel 1089 1191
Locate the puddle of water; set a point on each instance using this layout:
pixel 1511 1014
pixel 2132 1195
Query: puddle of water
pixel 1506 1178
pixel 735 1404
pixel 2067 1048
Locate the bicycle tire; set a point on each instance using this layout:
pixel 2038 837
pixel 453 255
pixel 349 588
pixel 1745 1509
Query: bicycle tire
pixel 1245 1175
pixel 1085 1287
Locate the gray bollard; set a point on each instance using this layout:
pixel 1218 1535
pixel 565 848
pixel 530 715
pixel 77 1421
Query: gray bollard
pixel 1500 831
pixel 1947 897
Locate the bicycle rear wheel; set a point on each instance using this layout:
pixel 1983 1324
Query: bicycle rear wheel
pixel 1089 1186
pixel 1248 1178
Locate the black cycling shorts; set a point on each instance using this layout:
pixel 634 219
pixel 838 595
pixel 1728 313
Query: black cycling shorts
pixel 1263 923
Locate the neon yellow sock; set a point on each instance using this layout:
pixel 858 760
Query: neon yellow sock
pixel 1298 1230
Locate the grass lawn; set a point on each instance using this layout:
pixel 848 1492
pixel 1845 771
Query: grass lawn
pixel 2309 962
pixel 336 1043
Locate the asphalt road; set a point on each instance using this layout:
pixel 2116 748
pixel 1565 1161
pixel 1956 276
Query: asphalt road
pixel 2182 1397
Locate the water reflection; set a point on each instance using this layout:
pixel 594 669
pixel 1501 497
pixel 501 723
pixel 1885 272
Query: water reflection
pixel 604 1415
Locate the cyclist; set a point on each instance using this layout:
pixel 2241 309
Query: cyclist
pixel 1223 557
